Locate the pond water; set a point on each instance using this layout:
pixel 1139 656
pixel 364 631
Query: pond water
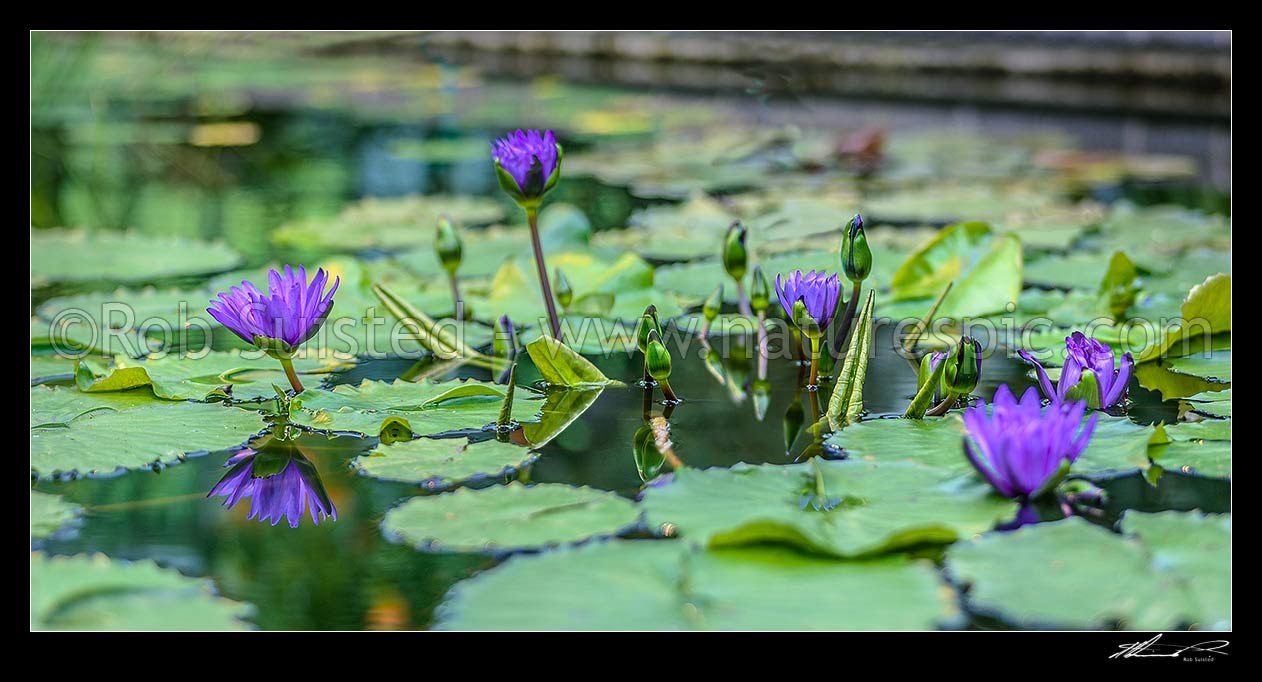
pixel 115 165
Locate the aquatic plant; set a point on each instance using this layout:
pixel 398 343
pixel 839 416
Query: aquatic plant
pixel 810 301
pixel 1089 373
pixel 279 481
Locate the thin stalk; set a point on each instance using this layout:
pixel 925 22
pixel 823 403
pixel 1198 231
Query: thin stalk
pixel 288 364
pixel 742 301
pixel 532 216
pixel 456 302
pixel 941 408
pixel 669 394
pixel 839 341
pixel 762 345
pixel 813 382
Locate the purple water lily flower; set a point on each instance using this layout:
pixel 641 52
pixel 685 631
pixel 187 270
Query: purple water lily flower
pixel 1020 448
pixel 530 159
pixel 290 312
pixel 818 291
pixel 1085 353
pixel 278 485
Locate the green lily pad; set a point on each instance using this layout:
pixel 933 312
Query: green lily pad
pixel 386 224
pixel 986 268
pixel 509 517
pixel 871 508
pixel 1216 403
pixel 1158 377
pixel 423 408
pixel 1207 429
pixel 45 366
pixel 561 366
pixel 1196 548
pixel 656 585
pixel 248 375
pixel 1214 366
pixel 1076 270
pixel 97 593
pixel 560 409
pixel 1068 574
pixel 77 433
pixel 944 204
pixel 1117 444
pixel 1210 458
pixel 50 512
pixel 80 256
pixel 441 463
pixel 134 322
pixel 67 337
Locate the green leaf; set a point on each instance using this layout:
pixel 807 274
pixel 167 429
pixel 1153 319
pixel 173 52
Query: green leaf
pixel 1196 548
pixel 560 409
pixel 1117 444
pixel 80 256
pixel 1216 403
pixel 509 517
pixel 846 403
pixel 871 508
pixel 97 593
pixel 50 512
pixel 1206 310
pixel 442 463
pixel 1158 377
pixel 75 433
pixel 423 407
pixel 1213 366
pixel 385 224
pixel 183 378
pixel 659 585
pixel 561 366
pixel 44 367
pixel 1208 429
pixel 985 267
pixel 1068 574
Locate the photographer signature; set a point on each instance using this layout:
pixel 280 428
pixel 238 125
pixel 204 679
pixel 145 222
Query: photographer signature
pixel 1151 649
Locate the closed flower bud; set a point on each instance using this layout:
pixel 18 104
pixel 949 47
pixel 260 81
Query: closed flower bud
pixel 964 369
pixel 505 342
pixel 710 309
pixel 527 165
pixel 856 256
pixel 648 323
pixel 735 256
pixel 648 458
pixel 564 292
pixel 447 245
pixel 760 389
pixel 657 358
pixel 759 291
pixel 927 364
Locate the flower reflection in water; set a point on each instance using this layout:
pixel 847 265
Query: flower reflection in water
pixel 280 481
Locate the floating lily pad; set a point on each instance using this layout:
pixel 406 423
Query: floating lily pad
pixel 945 204
pixel 73 432
pixel 79 256
pixel 423 408
pixel 247 376
pixel 1207 429
pixel 1214 366
pixel 561 366
pixel 1216 403
pixel 1068 574
pixel 44 366
pixel 509 517
pixel 867 508
pixel 97 593
pixel 440 463
pixel 1196 548
pixel 50 512
pixel 1211 458
pixel 132 322
pixel 1117 444
pixel 656 585
pixel 386 223
pixel 985 267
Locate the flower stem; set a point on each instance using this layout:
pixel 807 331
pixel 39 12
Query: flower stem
pixel 457 304
pixel 839 341
pixel 669 394
pixel 762 345
pixel 742 301
pixel 532 216
pixel 288 364
pixel 813 382
pixel 941 408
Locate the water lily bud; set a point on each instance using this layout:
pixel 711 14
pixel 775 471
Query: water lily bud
pixel 447 245
pixel 657 358
pixel 927 364
pixel 856 256
pixel 735 256
pixel 761 392
pixel 710 309
pixel 648 459
pixel 759 291
pixel 802 318
pixel 964 369
pixel 505 342
pixel 648 323
pixel 527 165
pixel 1087 388
pixel 564 293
